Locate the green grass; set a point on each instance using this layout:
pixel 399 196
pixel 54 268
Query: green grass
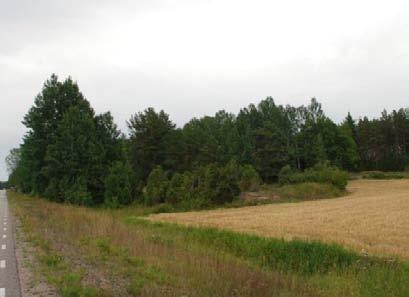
pixel 297 256
pixel 310 260
pixel 55 269
pixel 302 191
pixel 384 175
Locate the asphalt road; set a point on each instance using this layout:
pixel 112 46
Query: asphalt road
pixel 9 281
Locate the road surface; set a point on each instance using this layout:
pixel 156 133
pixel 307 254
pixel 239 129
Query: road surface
pixel 9 281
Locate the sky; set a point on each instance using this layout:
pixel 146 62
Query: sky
pixel 195 57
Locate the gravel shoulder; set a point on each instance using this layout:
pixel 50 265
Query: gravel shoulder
pixel 32 284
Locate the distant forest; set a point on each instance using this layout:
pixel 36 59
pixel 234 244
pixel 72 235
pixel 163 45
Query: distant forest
pixel 71 154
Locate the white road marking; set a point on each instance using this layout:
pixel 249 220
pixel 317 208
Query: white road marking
pixel 4 229
pixel 3 246
pixel 2 292
pixel 3 264
pixel 4 236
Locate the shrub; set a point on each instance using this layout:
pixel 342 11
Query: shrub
pixel 77 192
pixel 52 192
pixel 174 192
pixel 324 173
pixel 287 175
pixel 383 175
pixel 205 186
pixel 156 187
pixel 249 179
pixel 307 191
pixel 118 185
pixel 227 185
pixel 217 184
pixel 320 173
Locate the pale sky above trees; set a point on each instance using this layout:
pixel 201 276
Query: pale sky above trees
pixel 193 58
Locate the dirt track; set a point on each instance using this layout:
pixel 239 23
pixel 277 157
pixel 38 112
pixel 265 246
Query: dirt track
pixel 374 217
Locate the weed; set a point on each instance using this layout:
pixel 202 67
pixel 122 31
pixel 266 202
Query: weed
pixel 136 286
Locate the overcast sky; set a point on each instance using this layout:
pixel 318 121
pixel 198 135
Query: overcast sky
pixel 194 57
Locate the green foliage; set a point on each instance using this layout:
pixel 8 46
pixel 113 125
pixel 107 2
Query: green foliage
pixel 69 154
pixel 156 187
pixel 249 179
pixel 205 186
pixel 391 279
pixel 78 194
pixel 210 140
pixel 266 134
pixel 118 188
pixel 51 260
pixel 384 175
pixel 220 184
pixel 150 141
pixel 4 185
pixel 136 286
pixel 13 159
pixel 176 188
pixel 320 173
pixel 311 261
pixel 67 150
pixel 296 256
pixel 382 142
pixel 71 287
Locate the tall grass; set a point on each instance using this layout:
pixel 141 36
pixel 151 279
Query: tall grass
pixel 135 261
pixel 303 257
pixel 301 191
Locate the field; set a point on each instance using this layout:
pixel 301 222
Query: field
pixel 374 218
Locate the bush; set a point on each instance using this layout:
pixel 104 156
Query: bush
pixel 175 190
pixel 224 186
pixel 383 175
pixel 249 180
pixel 289 176
pixel 118 185
pixel 78 194
pixel 52 192
pixel 320 173
pixel 203 187
pixel 156 187
pixel 307 191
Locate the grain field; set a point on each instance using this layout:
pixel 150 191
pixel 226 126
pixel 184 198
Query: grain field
pixel 373 217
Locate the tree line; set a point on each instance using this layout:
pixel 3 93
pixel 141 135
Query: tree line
pixel 3 185
pixel 71 154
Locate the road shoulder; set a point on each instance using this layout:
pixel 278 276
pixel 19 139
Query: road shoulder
pixel 32 284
